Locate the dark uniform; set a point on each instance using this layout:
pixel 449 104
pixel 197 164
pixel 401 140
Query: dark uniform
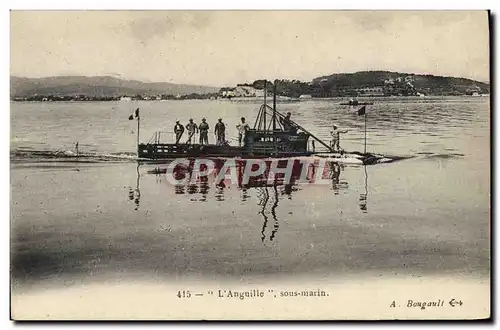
pixel 288 124
pixel 220 132
pixel 203 131
pixel 178 130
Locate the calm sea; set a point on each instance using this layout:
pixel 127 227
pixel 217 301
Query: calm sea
pixel 105 217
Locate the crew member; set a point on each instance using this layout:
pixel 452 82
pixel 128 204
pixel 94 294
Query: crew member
pixel 191 128
pixel 203 132
pixel 178 130
pixel 242 130
pixel 220 132
pixel 335 143
pixel 287 124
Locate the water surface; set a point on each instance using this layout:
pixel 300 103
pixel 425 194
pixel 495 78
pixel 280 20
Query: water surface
pixel 105 216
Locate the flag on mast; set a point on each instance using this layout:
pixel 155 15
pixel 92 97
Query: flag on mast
pixel 362 112
pixel 131 117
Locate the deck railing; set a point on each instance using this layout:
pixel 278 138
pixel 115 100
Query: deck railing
pixel 158 150
pixel 160 137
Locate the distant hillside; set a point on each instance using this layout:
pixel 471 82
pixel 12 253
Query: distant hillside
pixel 98 87
pixel 428 84
pixel 371 83
pixel 364 83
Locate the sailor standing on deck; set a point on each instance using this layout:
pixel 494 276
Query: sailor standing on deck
pixel 178 130
pixel 203 132
pixel 220 132
pixel 287 122
pixel 191 128
pixel 242 130
pixel 335 143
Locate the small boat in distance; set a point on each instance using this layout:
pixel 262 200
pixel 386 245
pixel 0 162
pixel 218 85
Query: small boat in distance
pixel 356 103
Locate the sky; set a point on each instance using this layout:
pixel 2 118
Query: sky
pixel 223 48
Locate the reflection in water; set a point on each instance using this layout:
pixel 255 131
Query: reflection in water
pixel 204 189
pixel 337 184
pixel 363 198
pixel 244 194
pixel 219 191
pixel 269 191
pixel 135 194
pixel 192 189
pixel 179 189
pixel 264 202
pixel 273 213
pixel 288 189
pixel 264 198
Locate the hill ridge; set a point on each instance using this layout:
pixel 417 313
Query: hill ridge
pixel 335 84
pixel 100 86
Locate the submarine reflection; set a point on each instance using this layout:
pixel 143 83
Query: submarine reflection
pixel 269 190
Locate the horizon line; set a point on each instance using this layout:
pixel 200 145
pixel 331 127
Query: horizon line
pixel 205 85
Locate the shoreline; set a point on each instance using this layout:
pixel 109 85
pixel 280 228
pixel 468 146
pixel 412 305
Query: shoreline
pixel 250 99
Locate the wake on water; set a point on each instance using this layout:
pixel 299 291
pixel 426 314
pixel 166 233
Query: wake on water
pixel 68 156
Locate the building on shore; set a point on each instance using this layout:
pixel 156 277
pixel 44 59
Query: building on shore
pixel 370 91
pixel 241 91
